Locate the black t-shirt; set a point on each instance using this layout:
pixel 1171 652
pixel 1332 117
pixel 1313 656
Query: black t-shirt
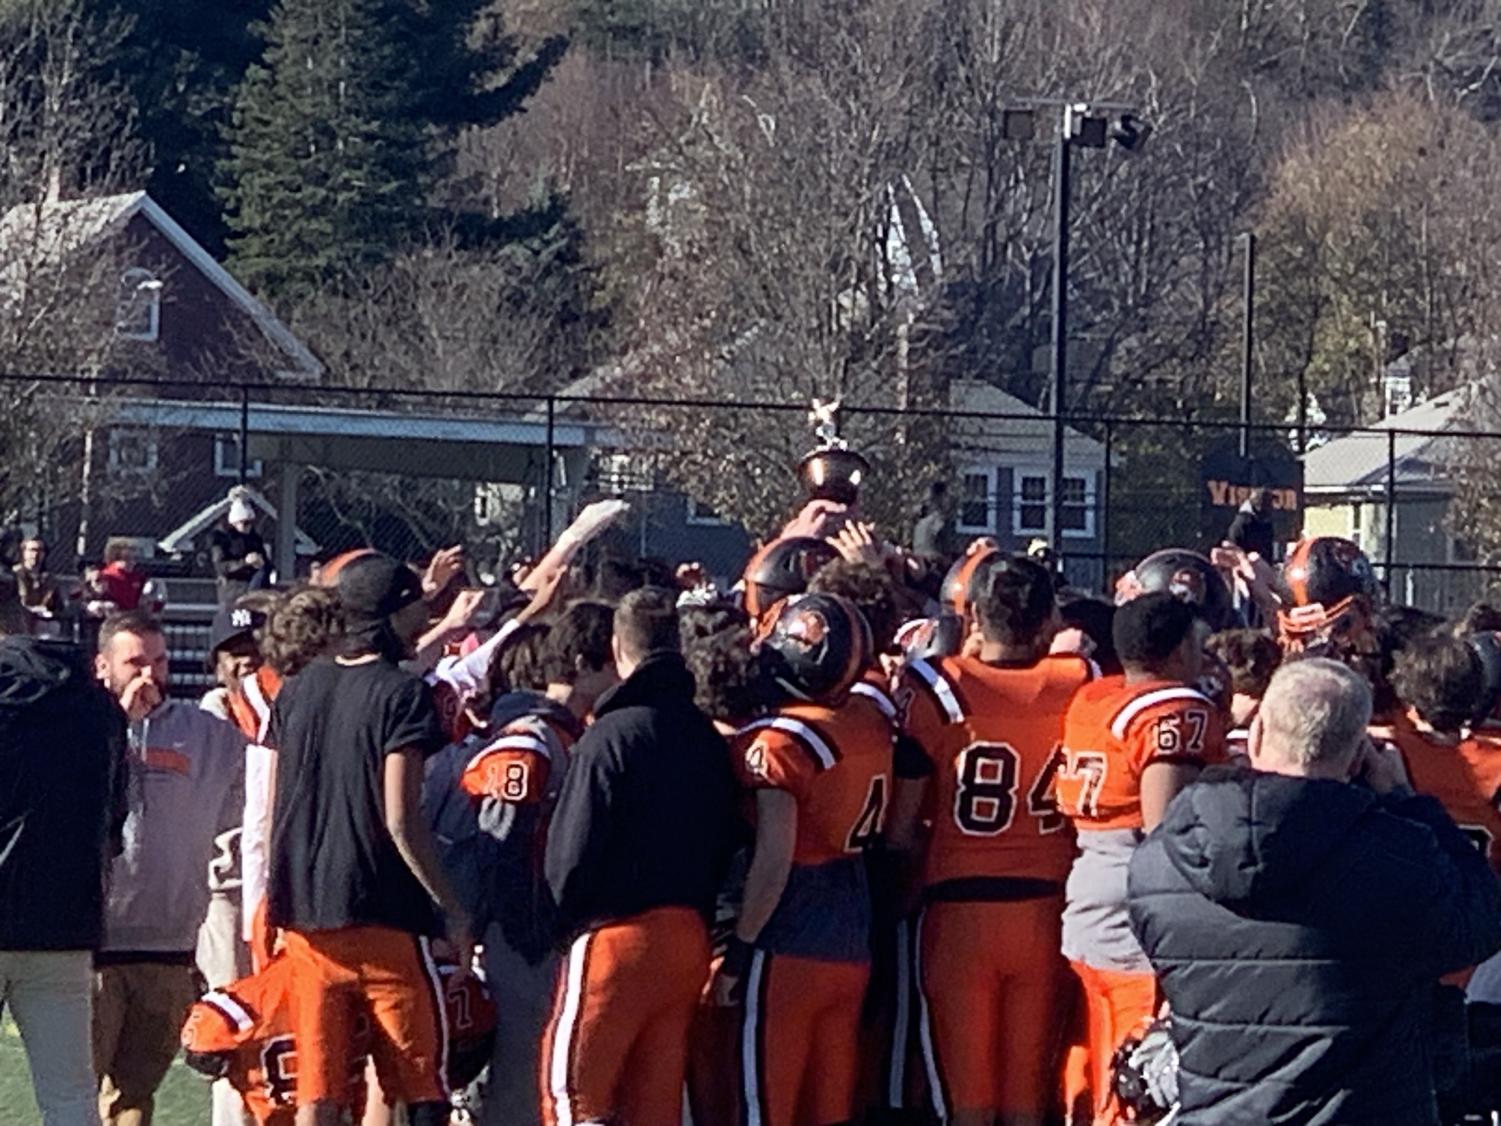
pixel 333 862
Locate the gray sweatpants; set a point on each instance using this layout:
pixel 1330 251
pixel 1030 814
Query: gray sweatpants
pixel 50 993
pixel 523 995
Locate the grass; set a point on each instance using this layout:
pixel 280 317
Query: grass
pixel 182 1101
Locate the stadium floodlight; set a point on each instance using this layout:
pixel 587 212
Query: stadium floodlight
pixel 1088 125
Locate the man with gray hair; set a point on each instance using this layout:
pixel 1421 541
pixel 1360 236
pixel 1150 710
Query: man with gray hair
pixel 1300 913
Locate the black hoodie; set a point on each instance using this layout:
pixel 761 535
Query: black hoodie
pixel 1299 928
pixel 62 799
pixel 647 814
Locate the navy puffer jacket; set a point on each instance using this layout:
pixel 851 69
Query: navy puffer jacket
pixel 1299 927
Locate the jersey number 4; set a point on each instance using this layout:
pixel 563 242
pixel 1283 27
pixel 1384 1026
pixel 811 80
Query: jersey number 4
pixel 871 823
pixel 985 798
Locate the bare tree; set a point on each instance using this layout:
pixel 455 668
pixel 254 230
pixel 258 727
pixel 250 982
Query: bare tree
pixel 65 135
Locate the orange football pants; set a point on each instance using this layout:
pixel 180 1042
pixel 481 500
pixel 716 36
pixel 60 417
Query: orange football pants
pixel 800 1040
pixel 616 1049
pixel 341 976
pixel 1115 1005
pixel 995 990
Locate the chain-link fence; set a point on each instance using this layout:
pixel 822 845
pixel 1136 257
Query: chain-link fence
pixel 150 464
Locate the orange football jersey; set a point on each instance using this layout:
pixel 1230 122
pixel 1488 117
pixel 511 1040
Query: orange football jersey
pixel 992 734
pixel 835 761
pixel 1464 777
pixel 247 1028
pixel 515 765
pixel 1114 732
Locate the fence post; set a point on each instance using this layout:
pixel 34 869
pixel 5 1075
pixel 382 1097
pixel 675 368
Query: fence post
pixel 1105 509
pixel 1391 506
pixel 548 472
pixel 244 434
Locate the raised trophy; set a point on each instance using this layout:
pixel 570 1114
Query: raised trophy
pixel 832 471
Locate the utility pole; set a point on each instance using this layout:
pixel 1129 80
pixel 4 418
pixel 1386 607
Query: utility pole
pixel 1247 342
pixel 1062 168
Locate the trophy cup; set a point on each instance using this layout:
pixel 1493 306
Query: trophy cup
pixel 832 471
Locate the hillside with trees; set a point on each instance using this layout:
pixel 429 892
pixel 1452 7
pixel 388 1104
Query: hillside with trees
pixel 788 199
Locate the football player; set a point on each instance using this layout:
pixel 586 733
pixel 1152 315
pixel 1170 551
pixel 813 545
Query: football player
pixel 780 570
pixel 997 854
pixel 516 774
pixel 1329 602
pixel 243 1034
pixel 1130 745
pixel 1439 679
pixel 799 961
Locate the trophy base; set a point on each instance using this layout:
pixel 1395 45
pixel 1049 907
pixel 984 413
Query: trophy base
pixel 833 474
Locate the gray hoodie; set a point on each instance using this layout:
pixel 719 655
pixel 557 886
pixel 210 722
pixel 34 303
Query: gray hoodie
pixel 185 767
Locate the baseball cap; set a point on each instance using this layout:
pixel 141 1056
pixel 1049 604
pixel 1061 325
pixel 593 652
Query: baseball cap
pixel 232 623
pixel 374 587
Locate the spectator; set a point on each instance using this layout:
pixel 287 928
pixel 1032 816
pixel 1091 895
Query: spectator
pixel 39 590
pixel 62 743
pixel 1299 920
pixel 635 856
pixel 1252 530
pixel 223 957
pixel 184 767
pixel 354 871
pixel 237 551
pixel 933 535
pixel 121 580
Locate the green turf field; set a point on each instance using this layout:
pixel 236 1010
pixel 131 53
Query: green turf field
pixel 182 1101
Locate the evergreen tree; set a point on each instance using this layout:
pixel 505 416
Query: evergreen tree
pixel 328 169
pixel 344 130
pixel 183 70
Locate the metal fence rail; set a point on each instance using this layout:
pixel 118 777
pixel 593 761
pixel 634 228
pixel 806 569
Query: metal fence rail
pixel 146 460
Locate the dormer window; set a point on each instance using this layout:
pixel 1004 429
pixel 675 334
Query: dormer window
pixel 138 315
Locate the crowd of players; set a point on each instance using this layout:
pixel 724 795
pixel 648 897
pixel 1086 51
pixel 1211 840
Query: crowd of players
pixel 846 842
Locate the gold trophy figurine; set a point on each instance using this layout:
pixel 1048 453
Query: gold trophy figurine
pixel 833 471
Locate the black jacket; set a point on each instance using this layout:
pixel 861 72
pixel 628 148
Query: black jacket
pixel 62 796
pixel 647 814
pixel 228 548
pixel 1299 928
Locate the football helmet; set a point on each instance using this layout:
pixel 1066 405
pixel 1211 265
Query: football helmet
pixel 1190 577
pixel 817 646
pixel 965 578
pixel 781 569
pixel 1329 597
pixel 469 1018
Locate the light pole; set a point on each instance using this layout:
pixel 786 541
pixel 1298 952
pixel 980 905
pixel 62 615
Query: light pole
pixel 1085 125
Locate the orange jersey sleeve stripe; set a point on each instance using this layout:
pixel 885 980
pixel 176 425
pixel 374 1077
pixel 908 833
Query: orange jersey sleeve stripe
pixel 874 694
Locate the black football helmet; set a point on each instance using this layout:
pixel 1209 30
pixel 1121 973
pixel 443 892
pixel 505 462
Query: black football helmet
pixel 781 569
pixel 1190 577
pixel 1330 595
pixel 965 579
pixel 817 646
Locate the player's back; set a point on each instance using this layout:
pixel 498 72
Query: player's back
pixel 837 762
pixel 1465 777
pixel 243 1033
pixel 1114 731
pixel 992 734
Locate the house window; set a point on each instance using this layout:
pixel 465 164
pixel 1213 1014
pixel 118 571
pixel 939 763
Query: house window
pixel 132 452
pixel 977 501
pixel 227 458
pixel 138 313
pixel 701 515
pixel 1030 504
pixel 1030 512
